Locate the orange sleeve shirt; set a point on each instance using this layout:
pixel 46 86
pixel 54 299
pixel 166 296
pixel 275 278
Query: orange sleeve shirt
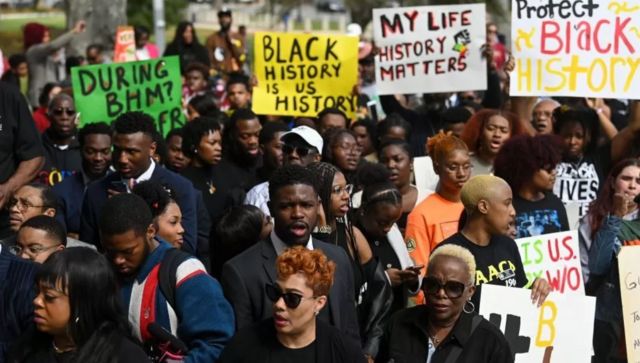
pixel 430 222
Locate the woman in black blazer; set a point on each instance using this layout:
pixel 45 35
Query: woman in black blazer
pixel 294 334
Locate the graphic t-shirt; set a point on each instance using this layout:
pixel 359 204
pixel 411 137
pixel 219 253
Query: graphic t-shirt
pixel 581 181
pixel 498 263
pixel 430 222
pixel 547 215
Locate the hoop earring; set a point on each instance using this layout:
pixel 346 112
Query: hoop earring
pixel 469 310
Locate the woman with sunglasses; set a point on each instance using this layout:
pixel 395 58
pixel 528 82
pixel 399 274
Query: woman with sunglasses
pixel 77 314
pixel 372 291
pixel 446 327
pixel 62 150
pixel 528 164
pixel 295 334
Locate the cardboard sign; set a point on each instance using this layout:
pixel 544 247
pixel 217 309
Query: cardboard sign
pixel 554 257
pixel 105 91
pixel 587 48
pixel 125 48
pixel 302 74
pixel 560 331
pixel 428 49
pixel 630 293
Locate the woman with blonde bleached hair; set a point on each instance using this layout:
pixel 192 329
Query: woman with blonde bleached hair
pixel 447 328
pixel 297 332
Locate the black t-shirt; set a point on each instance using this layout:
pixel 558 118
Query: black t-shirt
pixel 282 354
pixel 580 182
pixel 498 263
pixel 546 215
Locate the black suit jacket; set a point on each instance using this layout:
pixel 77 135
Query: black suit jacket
pixel 244 278
pixel 185 195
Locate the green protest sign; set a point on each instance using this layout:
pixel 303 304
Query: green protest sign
pixel 105 91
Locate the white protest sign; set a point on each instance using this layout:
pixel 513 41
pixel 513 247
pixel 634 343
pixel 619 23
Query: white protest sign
pixel 560 331
pixel 586 48
pixel 554 257
pixel 629 269
pixel 428 49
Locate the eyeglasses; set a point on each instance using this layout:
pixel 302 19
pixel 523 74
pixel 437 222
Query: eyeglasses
pixel 453 289
pixel 300 150
pixel 22 205
pixel 60 111
pixel 31 250
pixel 291 299
pixel 336 189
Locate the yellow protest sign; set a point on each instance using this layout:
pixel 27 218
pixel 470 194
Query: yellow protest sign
pixel 302 74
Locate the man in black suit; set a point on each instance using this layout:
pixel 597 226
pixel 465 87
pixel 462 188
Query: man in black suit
pixel 133 146
pixel 294 205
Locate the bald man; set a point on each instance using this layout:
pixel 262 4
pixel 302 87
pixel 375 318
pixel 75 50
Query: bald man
pixel 542 116
pixel 489 215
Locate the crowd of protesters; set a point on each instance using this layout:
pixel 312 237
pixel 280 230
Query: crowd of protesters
pixel 260 238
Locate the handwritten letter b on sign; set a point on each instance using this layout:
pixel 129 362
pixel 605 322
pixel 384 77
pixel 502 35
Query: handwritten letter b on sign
pixel 430 49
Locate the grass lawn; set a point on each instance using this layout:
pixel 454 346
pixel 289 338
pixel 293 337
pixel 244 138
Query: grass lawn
pixel 11 30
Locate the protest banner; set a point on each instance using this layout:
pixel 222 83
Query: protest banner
pixel 583 48
pixel 629 271
pixel 430 49
pixel 302 74
pixel 105 91
pixel 560 331
pixel 554 257
pixel 125 48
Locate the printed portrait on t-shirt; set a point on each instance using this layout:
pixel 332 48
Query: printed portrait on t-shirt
pixel 577 183
pixel 537 222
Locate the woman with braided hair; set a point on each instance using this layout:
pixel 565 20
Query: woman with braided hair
pixel 372 291
pixel 166 213
pixel 380 209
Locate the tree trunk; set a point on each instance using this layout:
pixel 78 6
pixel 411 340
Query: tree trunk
pixel 103 18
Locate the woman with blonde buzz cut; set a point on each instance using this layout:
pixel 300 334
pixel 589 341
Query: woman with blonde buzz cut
pixel 447 328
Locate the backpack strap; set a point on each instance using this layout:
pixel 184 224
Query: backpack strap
pixel 173 258
pixel 456 350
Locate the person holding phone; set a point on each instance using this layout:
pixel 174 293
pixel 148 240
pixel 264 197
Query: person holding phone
pixel 294 333
pixel 380 209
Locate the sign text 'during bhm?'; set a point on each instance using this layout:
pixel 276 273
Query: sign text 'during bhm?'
pixel 583 48
pixel 560 331
pixel 430 48
pixel 105 91
pixel 554 257
pixel 302 74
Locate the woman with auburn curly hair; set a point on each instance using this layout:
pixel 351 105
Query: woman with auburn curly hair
pixel 485 133
pixel 528 165
pixel 294 333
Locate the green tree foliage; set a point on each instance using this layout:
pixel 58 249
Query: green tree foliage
pixel 140 12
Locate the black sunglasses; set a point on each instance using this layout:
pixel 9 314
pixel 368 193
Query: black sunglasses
pixel 453 289
pixel 291 299
pixel 301 150
pixel 60 111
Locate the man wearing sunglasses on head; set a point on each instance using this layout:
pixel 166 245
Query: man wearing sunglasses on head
pixel 447 328
pixel 294 206
pixel 294 333
pixel 62 149
pixel 301 146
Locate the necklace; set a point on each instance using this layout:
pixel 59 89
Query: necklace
pixel 60 350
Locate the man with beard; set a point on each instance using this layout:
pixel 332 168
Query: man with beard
pixel 62 150
pixel 133 147
pixel 294 205
pixel 190 305
pixel 241 155
pixel 226 48
pixel 95 150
